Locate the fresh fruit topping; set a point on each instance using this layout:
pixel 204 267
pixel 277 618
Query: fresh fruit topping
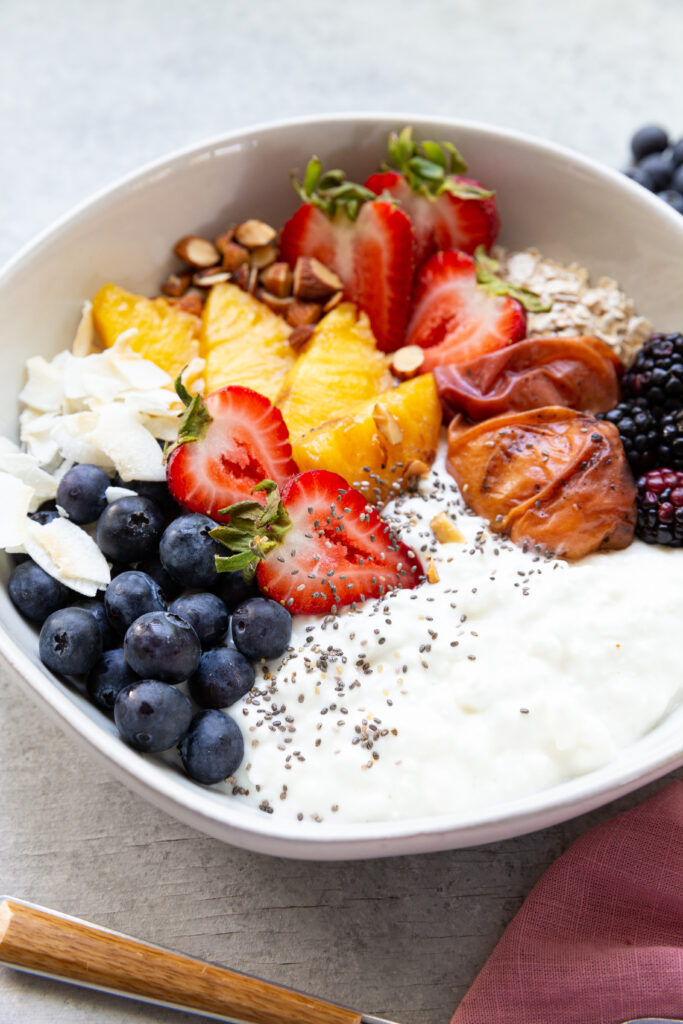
pixel 70 641
pixel 554 479
pixel 374 442
pixel 656 375
pixel 108 676
pixel 224 675
pixel 130 595
pixel 364 240
pixel 233 589
pixel 261 628
pixel 162 646
pixel 170 588
pixel 152 716
pixel 82 492
pixel 99 613
pixel 227 443
pixel 580 373
pixel 457 316
pixel 207 615
pixel 447 210
pixel 160 332
pixel 243 342
pixel 129 529
pixel 670 451
pixel 639 432
pixel 318 547
pixel 35 593
pixel 660 507
pixel 339 367
pixel 212 748
pixel 188 552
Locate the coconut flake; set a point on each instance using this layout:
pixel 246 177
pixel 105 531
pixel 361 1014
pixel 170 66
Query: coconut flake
pixel 121 435
pixel 14 508
pixel 26 468
pixel 68 553
pixel 73 436
pixel 114 493
pixel 44 389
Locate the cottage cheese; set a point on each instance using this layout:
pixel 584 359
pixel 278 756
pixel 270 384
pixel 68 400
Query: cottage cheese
pixel 509 675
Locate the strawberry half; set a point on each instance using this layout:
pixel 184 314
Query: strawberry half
pixel 368 242
pixel 447 210
pixel 462 310
pixel 317 547
pixel 227 443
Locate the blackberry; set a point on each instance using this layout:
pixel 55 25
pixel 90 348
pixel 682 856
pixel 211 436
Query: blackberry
pixel 670 452
pixel 660 508
pixel 656 377
pixel 639 432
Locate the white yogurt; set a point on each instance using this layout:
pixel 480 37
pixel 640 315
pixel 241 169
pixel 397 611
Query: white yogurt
pixel 509 675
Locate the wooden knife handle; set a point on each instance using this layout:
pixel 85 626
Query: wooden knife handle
pixel 44 942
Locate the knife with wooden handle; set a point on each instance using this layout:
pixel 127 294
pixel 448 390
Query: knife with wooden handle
pixel 45 942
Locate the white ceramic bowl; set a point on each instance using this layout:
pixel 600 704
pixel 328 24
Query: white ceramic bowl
pixel 549 197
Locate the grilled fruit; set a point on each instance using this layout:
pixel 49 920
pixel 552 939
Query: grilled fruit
pixel 244 342
pixel 374 444
pixel 339 366
pixel 164 334
pixel 552 478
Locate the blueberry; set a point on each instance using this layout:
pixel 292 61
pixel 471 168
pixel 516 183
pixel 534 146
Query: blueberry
pixel 677 153
pixel 130 595
pixel 212 748
pixel 188 553
pixel 158 491
pixel 162 646
pixel 677 179
pixel 129 529
pixel 232 589
pixel 153 567
pixel 108 676
pixel 152 716
pixel 35 593
pixel 96 608
pixel 44 516
pixel 648 139
pixel 81 492
pixel 261 628
pixel 70 641
pixel 673 198
pixel 659 167
pixel 639 175
pixel 206 613
pixel 224 675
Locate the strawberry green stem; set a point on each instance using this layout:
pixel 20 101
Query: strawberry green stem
pixel 253 532
pixel 487 278
pixel 430 168
pixel 331 192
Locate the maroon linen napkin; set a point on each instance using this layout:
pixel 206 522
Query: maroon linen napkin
pixel 599 939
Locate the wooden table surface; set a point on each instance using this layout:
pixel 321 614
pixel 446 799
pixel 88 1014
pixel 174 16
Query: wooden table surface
pixel 90 89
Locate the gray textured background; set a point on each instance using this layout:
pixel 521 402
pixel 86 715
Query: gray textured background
pixel 89 90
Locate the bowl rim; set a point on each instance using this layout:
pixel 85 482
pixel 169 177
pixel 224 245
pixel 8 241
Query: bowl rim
pixel 245 826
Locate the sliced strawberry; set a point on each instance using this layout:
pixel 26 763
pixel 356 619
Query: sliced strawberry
pixel 450 220
pixel 227 444
pixel 454 318
pixel 368 242
pixel 447 210
pixel 318 547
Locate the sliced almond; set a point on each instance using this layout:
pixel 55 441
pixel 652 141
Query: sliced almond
pixel 302 313
pixel 278 304
pixel 387 424
pixel 445 530
pixel 407 362
pixel 277 279
pixel 432 574
pixel 198 252
pixel 313 281
pixel 223 241
pixel 176 285
pixel 263 256
pixel 300 335
pixel 333 302
pixel 246 278
pixel 254 233
pixel 234 256
pixel 190 302
pixel 415 468
pixel 212 275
